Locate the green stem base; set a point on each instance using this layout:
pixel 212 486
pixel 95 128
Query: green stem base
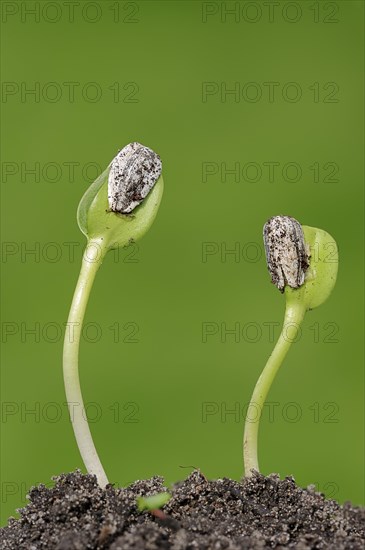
pixel 294 315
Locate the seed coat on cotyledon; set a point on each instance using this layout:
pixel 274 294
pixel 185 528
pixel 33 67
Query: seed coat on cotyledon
pixel 133 173
pixel 286 252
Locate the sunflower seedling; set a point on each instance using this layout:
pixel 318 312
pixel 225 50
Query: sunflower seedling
pixel 117 209
pixel 154 502
pixel 303 263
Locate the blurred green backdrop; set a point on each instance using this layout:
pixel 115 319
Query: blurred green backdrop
pixel 104 74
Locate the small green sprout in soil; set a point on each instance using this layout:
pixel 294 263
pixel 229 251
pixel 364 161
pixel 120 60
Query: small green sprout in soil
pixel 303 263
pixel 154 502
pixel 117 209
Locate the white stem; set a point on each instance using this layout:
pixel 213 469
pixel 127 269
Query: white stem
pixel 92 259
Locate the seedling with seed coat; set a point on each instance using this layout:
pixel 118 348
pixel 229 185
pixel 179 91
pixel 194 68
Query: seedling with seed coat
pixel 117 209
pixel 303 263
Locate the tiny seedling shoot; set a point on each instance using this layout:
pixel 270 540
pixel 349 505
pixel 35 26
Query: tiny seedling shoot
pixel 117 209
pixel 154 502
pixel 303 263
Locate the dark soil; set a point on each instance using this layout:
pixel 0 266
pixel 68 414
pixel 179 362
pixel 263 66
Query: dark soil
pixel 260 512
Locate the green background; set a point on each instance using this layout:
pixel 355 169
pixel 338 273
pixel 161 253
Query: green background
pixel 169 292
